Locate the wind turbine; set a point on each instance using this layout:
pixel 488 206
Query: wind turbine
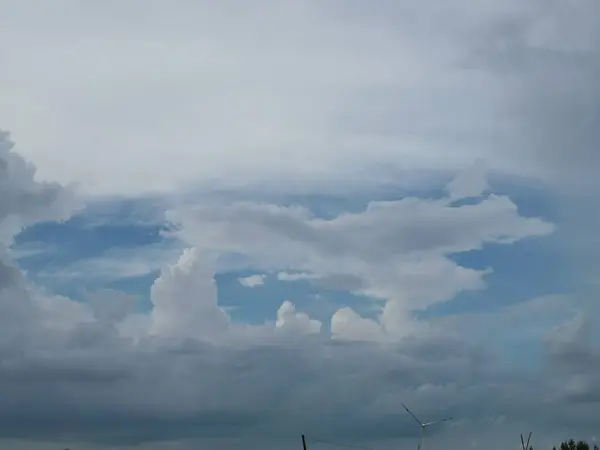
pixel 523 445
pixel 423 425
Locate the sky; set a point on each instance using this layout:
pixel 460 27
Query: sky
pixel 225 225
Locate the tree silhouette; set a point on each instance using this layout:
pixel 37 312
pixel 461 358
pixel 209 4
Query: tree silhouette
pixel 572 445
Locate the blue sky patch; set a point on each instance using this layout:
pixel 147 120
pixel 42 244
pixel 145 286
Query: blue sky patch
pixel 257 304
pixel 527 269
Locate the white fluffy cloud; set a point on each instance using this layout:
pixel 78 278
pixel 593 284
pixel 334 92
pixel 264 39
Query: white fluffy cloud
pixel 399 251
pixel 252 280
pixel 184 299
pixel 289 319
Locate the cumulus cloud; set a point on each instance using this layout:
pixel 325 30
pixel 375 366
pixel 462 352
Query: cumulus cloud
pixel 399 251
pixel 347 324
pixel 24 200
pixel 252 280
pixel 184 299
pixel 288 318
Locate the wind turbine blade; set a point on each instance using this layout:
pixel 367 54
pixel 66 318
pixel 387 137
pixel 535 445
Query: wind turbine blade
pixel 437 421
pixel 522 442
pixel 528 439
pixel 412 415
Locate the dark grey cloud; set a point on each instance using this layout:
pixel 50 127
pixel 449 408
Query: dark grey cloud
pixel 9 274
pixel 547 61
pixel 59 385
pixel 345 391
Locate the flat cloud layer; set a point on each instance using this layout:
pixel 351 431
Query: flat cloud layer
pixel 304 93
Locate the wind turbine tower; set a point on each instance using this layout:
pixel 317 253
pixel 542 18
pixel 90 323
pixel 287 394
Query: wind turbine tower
pixel 423 425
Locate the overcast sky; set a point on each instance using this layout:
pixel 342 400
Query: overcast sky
pixel 225 224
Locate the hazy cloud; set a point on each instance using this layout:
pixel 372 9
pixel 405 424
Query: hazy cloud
pixel 258 98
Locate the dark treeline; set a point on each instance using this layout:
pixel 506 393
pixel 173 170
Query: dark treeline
pixel 571 444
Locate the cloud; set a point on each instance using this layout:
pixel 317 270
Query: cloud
pixel 346 324
pixel 188 390
pixel 554 116
pixel 399 251
pixel 469 183
pixel 111 307
pixel 96 361
pixel 184 299
pixel 285 276
pixel 24 200
pixel 112 264
pixel 252 280
pixel 545 59
pixel 9 274
pixel 365 92
pixel 289 318
pixel 102 372
pixel 194 95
